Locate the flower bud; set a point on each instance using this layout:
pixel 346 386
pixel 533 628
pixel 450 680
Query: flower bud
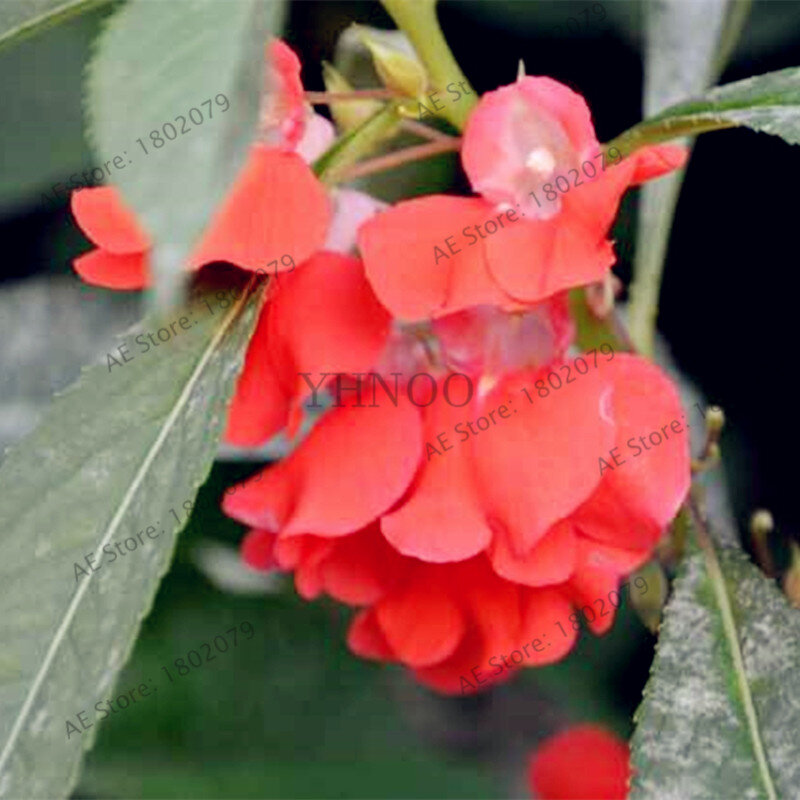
pixel 398 67
pixel 650 605
pixel 715 420
pixel 761 523
pixel 348 114
pixel 761 526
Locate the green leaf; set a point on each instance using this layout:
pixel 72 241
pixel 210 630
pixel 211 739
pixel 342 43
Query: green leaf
pixel 22 18
pixel 721 710
pixel 767 103
pixel 121 451
pixel 52 108
pixel 156 62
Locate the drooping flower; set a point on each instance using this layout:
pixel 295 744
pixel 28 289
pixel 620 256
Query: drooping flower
pixel 584 762
pixel 276 217
pixel 548 197
pixel 470 519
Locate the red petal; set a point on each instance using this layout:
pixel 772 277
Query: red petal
pixel 107 221
pixel 261 403
pixel 545 617
pixel 657 160
pixel 528 109
pixel 637 498
pixel 529 465
pixel 114 271
pixel 365 637
pixel 342 328
pixel 443 519
pixel 581 762
pixel 308 575
pixel 551 560
pixel 353 466
pixel 591 585
pixel 362 568
pixel 494 630
pixel 422 624
pixel 604 556
pixel 455 674
pixel 534 259
pixel 413 280
pixel 592 207
pixel 304 331
pixel 285 106
pixel 257 549
pixel 494 604
pixel 276 208
pixel 266 499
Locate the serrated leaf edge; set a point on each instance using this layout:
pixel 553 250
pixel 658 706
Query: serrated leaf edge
pixel 61 13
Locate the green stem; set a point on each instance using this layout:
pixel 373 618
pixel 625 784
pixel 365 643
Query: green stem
pixel 656 211
pixel 658 130
pixel 418 20
pixel 735 18
pixel 398 158
pixel 659 201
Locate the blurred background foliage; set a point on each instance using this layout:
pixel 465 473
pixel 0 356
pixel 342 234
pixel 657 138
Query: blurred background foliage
pixel 290 713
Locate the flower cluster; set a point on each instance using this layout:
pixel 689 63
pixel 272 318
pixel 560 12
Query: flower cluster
pixel 449 560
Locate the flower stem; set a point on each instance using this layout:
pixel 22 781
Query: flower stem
pixel 426 131
pixel 326 98
pixel 417 19
pixel 392 160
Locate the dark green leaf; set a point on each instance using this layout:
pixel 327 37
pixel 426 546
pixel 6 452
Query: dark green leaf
pixel 767 103
pixel 58 153
pixel 121 451
pixel 721 711
pixel 22 18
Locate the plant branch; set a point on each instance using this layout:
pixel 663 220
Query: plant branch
pixel 325 98
pixel 399 157
pixel 417 19
pixel 426 131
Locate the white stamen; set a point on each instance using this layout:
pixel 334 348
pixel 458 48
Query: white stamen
pixel 540 160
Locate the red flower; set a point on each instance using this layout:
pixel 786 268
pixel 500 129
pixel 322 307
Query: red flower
pixel 519 242
pixel 304 330
pixel 585 762
pixel 287 120
pixel 275 208
pixel 467 543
